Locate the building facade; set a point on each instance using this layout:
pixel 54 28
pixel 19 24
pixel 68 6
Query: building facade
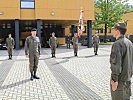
pixel 18 17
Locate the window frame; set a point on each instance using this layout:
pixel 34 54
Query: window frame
pixel 29 1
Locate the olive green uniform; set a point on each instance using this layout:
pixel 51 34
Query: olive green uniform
pixel 121 60
pixel 32 48
pixel 10 46
pixel 75 45
pixel 53 45
pixel 95 42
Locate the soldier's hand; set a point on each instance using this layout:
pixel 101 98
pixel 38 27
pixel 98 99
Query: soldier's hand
pixel 114 85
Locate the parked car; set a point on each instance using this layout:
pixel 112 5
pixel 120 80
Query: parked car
pixel 84 41
pixel 3 45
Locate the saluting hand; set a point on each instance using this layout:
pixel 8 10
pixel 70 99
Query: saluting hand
pixel 114 85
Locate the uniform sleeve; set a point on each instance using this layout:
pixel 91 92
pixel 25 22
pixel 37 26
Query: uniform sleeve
pixel 6 42
pixel 39 46
pixel 115 61
pixel 50 42
pixel 26 47
pixel 13 42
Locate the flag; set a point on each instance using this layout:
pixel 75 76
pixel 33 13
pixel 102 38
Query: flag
pixel 81 23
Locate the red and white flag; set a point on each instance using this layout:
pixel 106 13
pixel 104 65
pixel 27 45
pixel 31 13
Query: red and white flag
pixel 81 27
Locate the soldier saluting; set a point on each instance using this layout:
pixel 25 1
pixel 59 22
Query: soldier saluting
pixel 10 45
pixel 32 50
pixel 53 44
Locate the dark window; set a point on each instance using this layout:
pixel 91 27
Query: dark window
pixel 27 3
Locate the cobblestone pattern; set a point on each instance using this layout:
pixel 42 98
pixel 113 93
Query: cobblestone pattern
pixel 75 89
pixel 17 85
pixel 5 64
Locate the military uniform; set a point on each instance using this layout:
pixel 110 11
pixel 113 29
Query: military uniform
pixel 53 45
pixel 121 60
pixel 10 46
pixel 68 41
pixel 75 45
pixel 32 48
pixel 95 42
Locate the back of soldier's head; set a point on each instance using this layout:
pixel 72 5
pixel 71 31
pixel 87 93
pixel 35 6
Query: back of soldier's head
pixel 121 26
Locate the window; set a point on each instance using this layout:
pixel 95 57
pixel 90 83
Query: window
pixel 27 3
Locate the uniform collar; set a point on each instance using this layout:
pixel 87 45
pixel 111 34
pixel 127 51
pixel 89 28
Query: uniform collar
pixel 122 36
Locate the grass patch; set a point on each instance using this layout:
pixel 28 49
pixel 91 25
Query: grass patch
pixel 107 43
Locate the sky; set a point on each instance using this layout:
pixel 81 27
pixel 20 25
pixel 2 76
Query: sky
pixel 131 2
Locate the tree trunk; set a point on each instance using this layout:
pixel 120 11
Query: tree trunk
pixel 105 33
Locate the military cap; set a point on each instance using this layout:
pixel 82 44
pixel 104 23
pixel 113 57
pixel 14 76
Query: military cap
pixel 34 29
pixel 120 25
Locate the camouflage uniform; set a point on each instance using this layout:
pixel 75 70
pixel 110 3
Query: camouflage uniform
pixel 75 45
pixel 68 41
pixel 32 48
pixel 95 42
pixel 53 45
pixel 10 46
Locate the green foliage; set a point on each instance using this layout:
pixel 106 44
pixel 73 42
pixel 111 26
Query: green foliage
pixel 108 12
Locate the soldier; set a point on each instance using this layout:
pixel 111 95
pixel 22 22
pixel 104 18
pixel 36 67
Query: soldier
pixel 95 42
pixel 53 44
pixel 121 60
pixel 68 41
pixel 75 43
pixel 10 45
pixel 32 50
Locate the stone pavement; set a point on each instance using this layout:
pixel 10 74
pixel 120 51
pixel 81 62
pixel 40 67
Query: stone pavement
pixel 65 77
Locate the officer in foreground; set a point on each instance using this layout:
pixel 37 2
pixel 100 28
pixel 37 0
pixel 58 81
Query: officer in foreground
pixel 32 50
pixel 10 45
pixel 121 60
pixel 53 44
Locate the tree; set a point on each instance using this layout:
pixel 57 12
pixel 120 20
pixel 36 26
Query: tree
pixel 107 13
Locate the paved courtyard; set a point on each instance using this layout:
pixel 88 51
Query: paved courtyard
pixel 65 77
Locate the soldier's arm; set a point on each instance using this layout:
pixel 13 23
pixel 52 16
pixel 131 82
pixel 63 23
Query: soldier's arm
pixel 6 42
pixel 26 47
pixel 50 42
pixel 13 42
pixel 115 61
pixel 39 47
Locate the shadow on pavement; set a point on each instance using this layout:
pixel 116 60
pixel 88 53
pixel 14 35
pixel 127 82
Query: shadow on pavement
pixel 14 84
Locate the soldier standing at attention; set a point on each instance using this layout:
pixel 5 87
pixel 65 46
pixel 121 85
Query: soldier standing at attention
pixel 68 41
pixel 121 60
pixel 75 43
pixel 32 50
pixel 95 42
pixel 53 44
pixel 10 45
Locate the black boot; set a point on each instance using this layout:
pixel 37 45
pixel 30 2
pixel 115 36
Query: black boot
pixel 31 78
pixel 52 55
pixel 76 54
pixel 10 56
pixel 35 75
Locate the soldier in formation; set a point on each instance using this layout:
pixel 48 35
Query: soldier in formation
pixel 95 43
pixel 53 44
pixel 10 45
pixel 75 43
pixel 68 40
pixel 32 50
